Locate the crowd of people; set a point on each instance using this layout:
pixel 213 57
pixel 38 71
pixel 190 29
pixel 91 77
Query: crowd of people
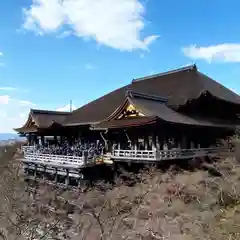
pixel 80 149
pixel 75 149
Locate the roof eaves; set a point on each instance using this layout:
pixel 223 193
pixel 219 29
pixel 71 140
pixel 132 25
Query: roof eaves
pixel 79 124
pixel 109 125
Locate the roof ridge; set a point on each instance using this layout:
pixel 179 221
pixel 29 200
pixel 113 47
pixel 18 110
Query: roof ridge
pixel 48 111
pixel 133 94
pixel 190 67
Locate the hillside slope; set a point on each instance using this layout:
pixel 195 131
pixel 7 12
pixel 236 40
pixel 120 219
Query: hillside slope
pixel 174 204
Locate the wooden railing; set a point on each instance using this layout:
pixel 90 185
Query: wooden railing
pixel 118 155
pixel 28 148
pixel 59 160
pixel 163 154
pixel 134 154
pixel 185 153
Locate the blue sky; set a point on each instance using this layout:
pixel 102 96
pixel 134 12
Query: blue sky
pixel 52 51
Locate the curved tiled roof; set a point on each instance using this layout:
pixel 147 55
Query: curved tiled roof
pixel 42 119
pixel 154 108
pixel 98 109
pixel 178 86
pixel 183 85
pixel 45 118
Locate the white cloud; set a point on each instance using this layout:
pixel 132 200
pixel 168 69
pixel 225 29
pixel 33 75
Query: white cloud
pixel 221 53
pixel 89 66
pixel 2 64
pixel 64 34
pixel 66 108
pixel 150 39
pixel 14 113
pixel 8 89
pixel 26 103
pixel 47 15
pixel 12 89
pixel 4 99
pixel 114 23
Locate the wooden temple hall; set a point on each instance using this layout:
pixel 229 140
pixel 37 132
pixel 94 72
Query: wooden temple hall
pixel 178 114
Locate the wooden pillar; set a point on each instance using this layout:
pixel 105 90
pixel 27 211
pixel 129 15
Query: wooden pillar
pixel 145 142
pixel 85 155
pixel 34 139
pixel 56 176
pixel 160 142
pixel 157 142
pixel 30 139
pixel 192 145
pixel 67 177
pixel 35 171
pixel 44 173
pixel 42 140
pixel 134 141
pixel 55 139
pixel 78 182
pixel 184 142
pixel 153 141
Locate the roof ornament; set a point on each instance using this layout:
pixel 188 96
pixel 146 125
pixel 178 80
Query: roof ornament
pixel 70 105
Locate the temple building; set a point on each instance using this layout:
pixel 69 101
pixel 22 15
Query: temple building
pixel 173 115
